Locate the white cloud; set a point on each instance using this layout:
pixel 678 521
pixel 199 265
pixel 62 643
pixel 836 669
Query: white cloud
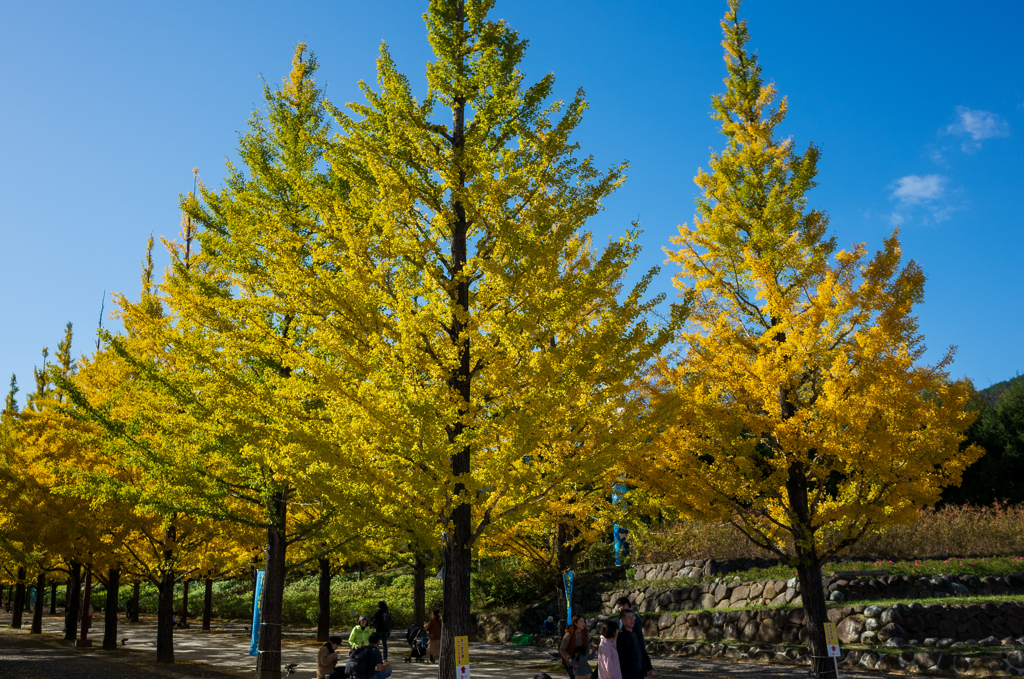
pixel 915 190
pixel 978 125
pixel 924 196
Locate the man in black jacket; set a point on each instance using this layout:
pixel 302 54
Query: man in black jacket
pixel 638 627
pixel 633 659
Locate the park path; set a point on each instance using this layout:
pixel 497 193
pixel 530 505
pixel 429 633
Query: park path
pixel 226 647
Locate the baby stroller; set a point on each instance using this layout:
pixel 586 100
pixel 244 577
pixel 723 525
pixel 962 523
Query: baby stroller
pixel 416 637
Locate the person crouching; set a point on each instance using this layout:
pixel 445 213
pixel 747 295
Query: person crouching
pixel 327 660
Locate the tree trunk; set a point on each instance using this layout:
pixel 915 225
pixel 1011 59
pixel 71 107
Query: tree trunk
pixel 165 618
pixel 323 615
pixel 564 559
pixel 19 599
pixel 252 603
pixel 813 595
pixel 457 552
pixel 268 659
pixel 86 605
pixel 184 599
pixel 53 597
pixel 110 610
pixel 135 602
pixel 419 591
pixel 71 602
pixel 809 573
pixel 37 613
pixel 165 603
pixel 207 604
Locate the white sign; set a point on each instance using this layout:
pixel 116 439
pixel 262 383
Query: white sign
pixel 833 651
pixel 462 672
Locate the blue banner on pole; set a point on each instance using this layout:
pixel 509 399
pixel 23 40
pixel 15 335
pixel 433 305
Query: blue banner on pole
pixel 257 614
pixel 618 533
pixel 567 579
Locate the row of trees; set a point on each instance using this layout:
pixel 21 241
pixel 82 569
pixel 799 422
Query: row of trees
pixel 389 337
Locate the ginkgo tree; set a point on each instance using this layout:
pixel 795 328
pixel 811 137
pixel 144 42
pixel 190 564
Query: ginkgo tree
pixel 800 407
pixel 496 345
pixel 461 329
pixel 195 415
pixel 53 531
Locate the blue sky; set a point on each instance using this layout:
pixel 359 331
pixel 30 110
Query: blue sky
pixel 918 108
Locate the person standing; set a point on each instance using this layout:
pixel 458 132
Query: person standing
pixel 382 626
pixel 433 630
pixel 638 627
pixel 573 648
pixel 634 663
pixel 360 634
pixel 607 656
pixel 327 660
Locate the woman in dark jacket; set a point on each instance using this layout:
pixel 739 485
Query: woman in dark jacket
pixel 573 644
pixel 382 625
pixel 633 658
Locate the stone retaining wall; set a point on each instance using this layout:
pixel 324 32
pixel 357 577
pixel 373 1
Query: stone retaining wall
pixel 892 626
pixel 777 593
pixel 763 625
pixel 918 662
pixel 695 568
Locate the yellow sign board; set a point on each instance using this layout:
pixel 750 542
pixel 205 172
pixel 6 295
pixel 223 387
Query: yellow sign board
pixel 462 650
pixel 831 638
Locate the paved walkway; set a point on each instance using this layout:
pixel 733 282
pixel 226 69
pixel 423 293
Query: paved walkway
pixel 226 648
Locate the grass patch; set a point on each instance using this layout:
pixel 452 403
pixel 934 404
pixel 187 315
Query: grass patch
pixel 971 649
pixel 996 565
pixel 995 529
pixel 1007 598
pixel 1002 599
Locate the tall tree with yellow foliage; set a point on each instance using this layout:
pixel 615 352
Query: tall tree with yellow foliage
pixel 800 408
pixel 53 530
pixel 476 351
pixel 204 414
pixel 473 353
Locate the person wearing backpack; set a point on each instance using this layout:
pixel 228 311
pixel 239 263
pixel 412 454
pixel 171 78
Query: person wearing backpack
pixel 382 626
pixel 366 661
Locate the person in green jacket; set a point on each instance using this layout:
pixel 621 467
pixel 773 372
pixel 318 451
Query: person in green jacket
pixel 360 634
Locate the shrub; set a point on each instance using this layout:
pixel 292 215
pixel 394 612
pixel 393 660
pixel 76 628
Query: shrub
pixel 508 581
pixel 994 530
pixel 350 597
